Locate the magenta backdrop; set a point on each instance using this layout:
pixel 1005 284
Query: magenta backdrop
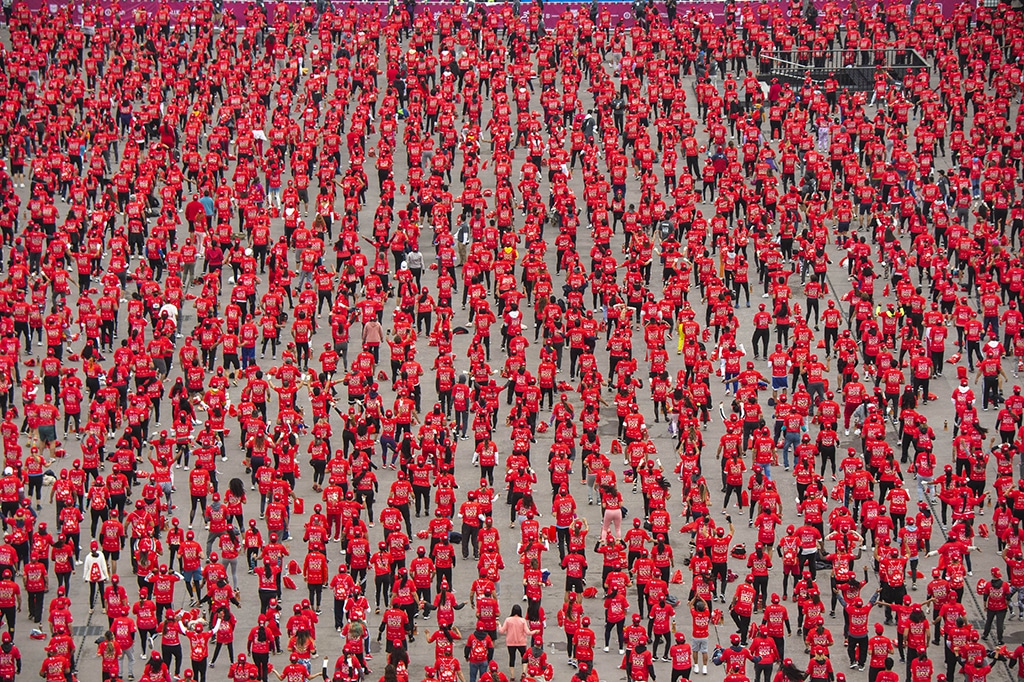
pixel 552 10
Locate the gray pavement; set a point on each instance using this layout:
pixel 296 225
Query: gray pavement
pixel 89 626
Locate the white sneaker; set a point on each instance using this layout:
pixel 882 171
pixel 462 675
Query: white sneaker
pixel 606 649
pixel 847 432
pixel 705 670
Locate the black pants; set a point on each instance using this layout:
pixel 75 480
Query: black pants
pixel 761 587
pixel 742 625
pixel 618 628
pixel 216 652
pixel 990 392
pixel 265 597
pixel 857 649
pixel 35 606
pixel 663 638
pixel 316 595
pixel 262 662
pixel 96 588
pixel 469 535
pixel 422 496
pixel 563 541
pixel 339 613
pixel 808 561
pixel 383 588
pixel 98 517
pixel 174 652
pixel 997 617
pixel 199 670
pixel 731 490
pixel 761 337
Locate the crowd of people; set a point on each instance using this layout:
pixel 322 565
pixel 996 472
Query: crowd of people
pixel 172 185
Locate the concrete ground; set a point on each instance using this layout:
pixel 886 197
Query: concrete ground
pixel 90 626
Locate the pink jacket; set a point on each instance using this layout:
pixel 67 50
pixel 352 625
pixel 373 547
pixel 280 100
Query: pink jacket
pixel 517 631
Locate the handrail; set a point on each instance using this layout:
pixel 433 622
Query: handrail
pixel 915 61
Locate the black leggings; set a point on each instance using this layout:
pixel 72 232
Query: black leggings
pixel 608 627
pixel 382 583
pixel 198 501
pixel 217 648
pixel 261 661
pixel 512 652
pixel 94 589
pixel 660 638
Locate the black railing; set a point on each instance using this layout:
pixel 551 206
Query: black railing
pixel 852 69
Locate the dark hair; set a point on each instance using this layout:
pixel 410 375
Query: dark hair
pixel 516 611
pixel 398 655
pixel 791 673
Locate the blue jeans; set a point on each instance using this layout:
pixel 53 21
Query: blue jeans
pixel 477 670
pixel 922 487
pixel 792 440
